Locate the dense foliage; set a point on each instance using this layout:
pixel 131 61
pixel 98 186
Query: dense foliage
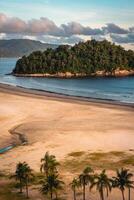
pixel 20 47
pixel 52 186
pixel 88 57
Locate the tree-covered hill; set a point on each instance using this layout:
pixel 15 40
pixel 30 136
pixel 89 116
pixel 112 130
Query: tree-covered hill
pixel 20 47
pixel 83 59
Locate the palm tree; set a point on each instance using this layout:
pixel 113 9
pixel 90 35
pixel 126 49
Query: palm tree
pixel 51 185
pixel 122 181
pixel 102 182
pixel 74 184
pixel 129 184
pixel 85 178
pixel 27 176
pixel 90 173
pixel 58 186
pixel 49 164
pixel 19 175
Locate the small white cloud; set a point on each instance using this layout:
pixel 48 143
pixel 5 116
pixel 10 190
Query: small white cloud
pixel 2 36
pixel 29 37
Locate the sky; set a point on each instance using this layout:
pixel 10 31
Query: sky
pixel 68 21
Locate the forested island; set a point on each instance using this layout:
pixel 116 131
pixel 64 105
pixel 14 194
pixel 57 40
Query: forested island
pixel 91 58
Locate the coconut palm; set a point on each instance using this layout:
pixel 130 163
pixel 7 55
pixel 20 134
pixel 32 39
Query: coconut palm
pixel 102 183
pixel 85 178
pixel 74 184
pixel 19 175
pixel 27 176
pixel 130 184
pixel 49 164
pixel 90 175
pixel 58 186
pixel 51 185
pixel 123 181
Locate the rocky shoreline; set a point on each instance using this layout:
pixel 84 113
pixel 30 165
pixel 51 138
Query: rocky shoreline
pixel 117 73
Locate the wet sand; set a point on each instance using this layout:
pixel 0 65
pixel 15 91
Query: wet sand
pixel 60 125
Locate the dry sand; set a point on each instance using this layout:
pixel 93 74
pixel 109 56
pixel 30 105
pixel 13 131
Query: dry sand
pixel 60 126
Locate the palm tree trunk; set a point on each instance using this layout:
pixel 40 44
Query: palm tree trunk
pixel 129 193
pixel 46 173
pixel 20 185
pixel 123 197
pixel 84 191
pixel 101 194
pixel 51 194
pixel 27 195
pixel 107 192
pixel 74 194
pixel 89 188
pixel 56 195
pixel 20 189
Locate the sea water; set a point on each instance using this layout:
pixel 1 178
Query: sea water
pixel 118 89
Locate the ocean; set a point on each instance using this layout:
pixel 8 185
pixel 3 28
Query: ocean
pixel 119 89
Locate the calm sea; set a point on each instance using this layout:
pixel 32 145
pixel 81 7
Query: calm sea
pixel 120 89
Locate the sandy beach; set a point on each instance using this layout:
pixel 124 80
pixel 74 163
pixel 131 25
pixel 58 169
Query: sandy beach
pixel 60 125
pixel 73 129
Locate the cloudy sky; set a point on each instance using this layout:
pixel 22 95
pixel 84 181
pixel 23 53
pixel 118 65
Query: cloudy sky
pixel 68 21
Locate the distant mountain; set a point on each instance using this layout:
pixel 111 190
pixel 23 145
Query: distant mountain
pixel 20 47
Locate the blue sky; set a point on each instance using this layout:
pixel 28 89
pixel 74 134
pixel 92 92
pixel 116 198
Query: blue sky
pixel 68 21
pixel 88 12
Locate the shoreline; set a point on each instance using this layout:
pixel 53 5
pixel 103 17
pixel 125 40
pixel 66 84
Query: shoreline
pixel 69 75
pixel 61 125
pixel 30 92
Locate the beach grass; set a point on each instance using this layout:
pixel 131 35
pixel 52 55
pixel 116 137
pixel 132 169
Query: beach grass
pixel 129 161
pixel 97 160
pixel 76 153
pixel 7 192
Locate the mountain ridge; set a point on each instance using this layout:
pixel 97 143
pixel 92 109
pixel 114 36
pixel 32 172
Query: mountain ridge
pixel 21 47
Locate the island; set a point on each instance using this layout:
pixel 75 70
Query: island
pixel 91 58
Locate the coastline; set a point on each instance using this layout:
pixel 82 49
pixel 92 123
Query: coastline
pixel 18 138
pixel 60 124
pixel 21 91
pixel 117 73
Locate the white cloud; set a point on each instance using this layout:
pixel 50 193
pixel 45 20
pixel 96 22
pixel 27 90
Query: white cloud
pixel 2 36
pixel 29 37
pixel 46 30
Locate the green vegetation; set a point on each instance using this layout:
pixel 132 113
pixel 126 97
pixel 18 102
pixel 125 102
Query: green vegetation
pixel 123 181
pixel 97 160
pixel 51 185
pixel 84 178
pixel 128 161
pixel 76 154
pixel 102 183
pixel 23 174
pixel 6 192
pixel 49 164
pixel 75 184
pixel 83 59
pixel 49 182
